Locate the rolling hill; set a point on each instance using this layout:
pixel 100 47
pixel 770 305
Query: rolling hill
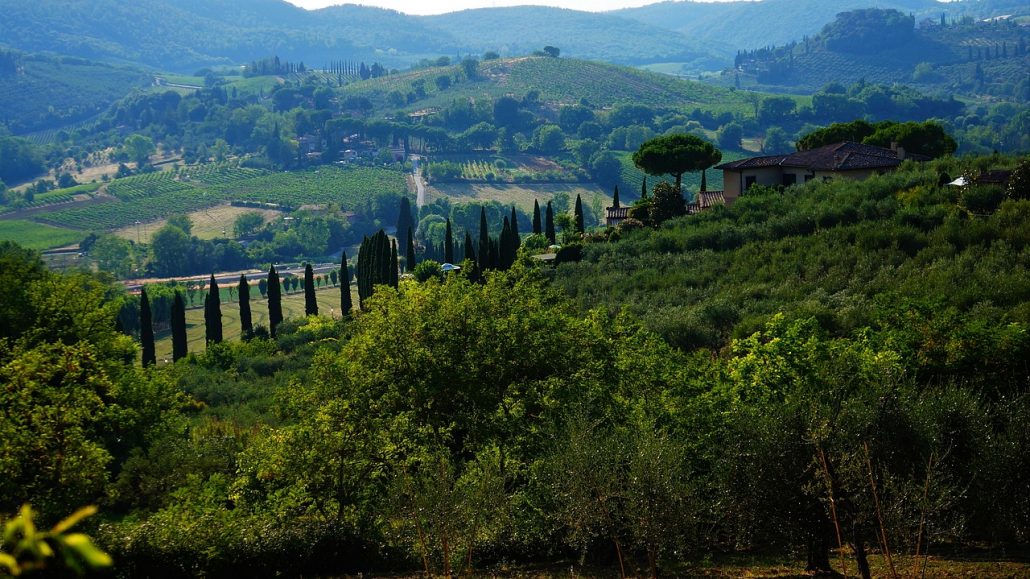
pixel 46 91
pixel 970 57
pixel 748 25
pixel 558 81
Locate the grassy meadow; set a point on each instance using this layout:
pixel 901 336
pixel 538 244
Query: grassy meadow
pixel 37 235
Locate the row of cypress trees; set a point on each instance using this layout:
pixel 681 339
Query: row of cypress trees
pixel 377 265
pixel 213 312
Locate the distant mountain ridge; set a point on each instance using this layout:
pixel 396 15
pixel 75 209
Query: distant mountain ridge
pixel 184 35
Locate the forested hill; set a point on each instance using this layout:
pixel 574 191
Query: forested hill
pixel 606 37
pixel 750 25
pixel 887 46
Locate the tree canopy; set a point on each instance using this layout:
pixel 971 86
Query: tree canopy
pixel 675 155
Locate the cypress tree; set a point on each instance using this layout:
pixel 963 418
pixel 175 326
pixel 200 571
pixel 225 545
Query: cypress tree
pixel 515 230
pixel 345 300
pixel 470 256
pixel 615 198
pixel 549 223
pixel 484 241
pixel 146 330
pixel 213 313
pixel 310 302
pixel 704 181
pixel 643 189
pixel 578 213
pixel 470 249
pixel 448 244
pixel 506 246
pixel 275 301
pixel 495 255
pixel 394 265
pixel 246 320
pixel 384 259
pixel 404 220
pixel 410 257
pixel 178 327
pixel 537 229
pixel 362 270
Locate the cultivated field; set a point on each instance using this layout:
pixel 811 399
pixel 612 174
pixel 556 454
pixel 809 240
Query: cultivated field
pixel 37 235
pixel 293 307
pixel 521 195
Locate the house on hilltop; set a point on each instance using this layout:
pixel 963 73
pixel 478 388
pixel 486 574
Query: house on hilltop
pixel 845 160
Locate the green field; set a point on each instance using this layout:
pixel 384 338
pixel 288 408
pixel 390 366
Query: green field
pixel 293 307
pixel 37 235
pixel 154 196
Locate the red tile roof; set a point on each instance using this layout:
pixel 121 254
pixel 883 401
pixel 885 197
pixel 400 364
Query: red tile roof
pixel 845 156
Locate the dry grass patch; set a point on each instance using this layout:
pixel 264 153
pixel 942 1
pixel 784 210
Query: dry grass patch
pixel 208 223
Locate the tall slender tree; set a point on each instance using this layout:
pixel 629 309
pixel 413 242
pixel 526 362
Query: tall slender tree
pixel 578 214
pixel 346 304
pixel 615 198
pixel 310 302
pixel 213 313
pixel 515 230
pixel 537 227
pixel 448 244
pixel 506 247
pixel 470 257
pixel 484 241
pixel 704 180
pixel 275 301
pixel 246 320
pixel 643 189
pixel 549 224
pixel 146 330
pixel 394 265
pixel 410 253
pixel 404 219
pixel 178 321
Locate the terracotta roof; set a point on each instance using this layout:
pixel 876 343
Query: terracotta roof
pixel 706 200
pixel 846 156
pixel 617 212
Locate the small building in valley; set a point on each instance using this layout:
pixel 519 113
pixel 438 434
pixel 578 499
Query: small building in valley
pixel 848 160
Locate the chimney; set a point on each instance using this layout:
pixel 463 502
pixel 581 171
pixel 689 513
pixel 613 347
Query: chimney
pixel 898 150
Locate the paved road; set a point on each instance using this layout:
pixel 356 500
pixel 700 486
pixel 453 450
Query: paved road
pixel 420 185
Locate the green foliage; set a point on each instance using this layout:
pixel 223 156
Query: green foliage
pixel 868 31
pixel 675 155
pixel 20 160
pixel 26 549
pixel 428 270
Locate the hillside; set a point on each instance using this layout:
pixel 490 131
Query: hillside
pixel 521 30
pixel 967 57
pixel 749 25
pixel 729 377
pixel 39 91
pixel 557 80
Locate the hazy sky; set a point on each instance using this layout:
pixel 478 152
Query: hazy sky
pixel 442 6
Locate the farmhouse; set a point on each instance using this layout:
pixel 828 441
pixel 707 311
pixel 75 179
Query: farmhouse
pixel 847 160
